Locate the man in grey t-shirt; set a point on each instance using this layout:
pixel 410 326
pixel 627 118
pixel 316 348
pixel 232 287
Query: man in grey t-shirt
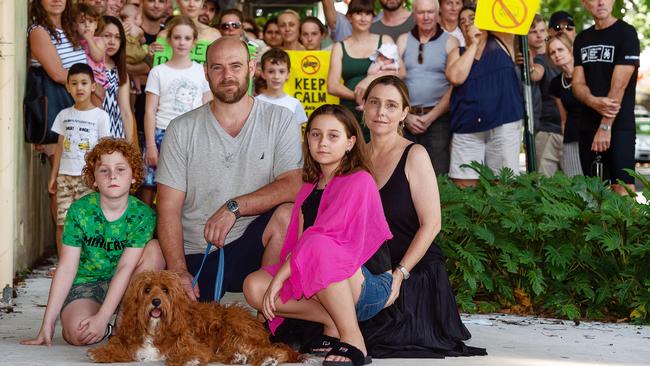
pixel 223 168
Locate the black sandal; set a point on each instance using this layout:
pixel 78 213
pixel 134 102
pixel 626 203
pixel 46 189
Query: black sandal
pixel 320 346
pixel 107 335
pixel 351 352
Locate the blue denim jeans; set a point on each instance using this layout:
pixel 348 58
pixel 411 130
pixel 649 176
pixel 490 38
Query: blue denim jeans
pixel 150 171
pixel 374 294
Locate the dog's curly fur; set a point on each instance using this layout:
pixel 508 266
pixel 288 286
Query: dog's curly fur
pixel 183 332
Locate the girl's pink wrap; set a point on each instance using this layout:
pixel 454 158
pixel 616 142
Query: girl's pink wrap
pixel 350 227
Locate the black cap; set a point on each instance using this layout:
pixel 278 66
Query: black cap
pixel 558 17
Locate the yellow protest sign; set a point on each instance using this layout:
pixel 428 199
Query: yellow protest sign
pixel 508 16
pixel 308 79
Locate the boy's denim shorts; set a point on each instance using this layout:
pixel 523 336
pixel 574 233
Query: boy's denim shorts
pixel 374 293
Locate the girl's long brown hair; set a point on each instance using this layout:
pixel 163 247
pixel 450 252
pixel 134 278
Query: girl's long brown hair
pixel 356 159
pixel 38 15
pixel 120 57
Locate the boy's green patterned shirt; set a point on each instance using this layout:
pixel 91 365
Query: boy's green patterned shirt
pixel 102 242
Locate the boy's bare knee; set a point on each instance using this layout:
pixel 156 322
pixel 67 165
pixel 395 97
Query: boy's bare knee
pixel 72 337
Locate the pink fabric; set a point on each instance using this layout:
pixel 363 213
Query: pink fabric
pixel 99 68
pixel 350 227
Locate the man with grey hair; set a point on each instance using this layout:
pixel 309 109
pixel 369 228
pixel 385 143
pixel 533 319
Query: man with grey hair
pixel 424 50
pixel 223 169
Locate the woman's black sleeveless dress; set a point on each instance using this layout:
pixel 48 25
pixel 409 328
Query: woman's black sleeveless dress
pixel 424 321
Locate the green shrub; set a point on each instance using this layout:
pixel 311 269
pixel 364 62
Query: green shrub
pixel 559 246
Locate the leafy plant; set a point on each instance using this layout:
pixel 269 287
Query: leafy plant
pixel 560 246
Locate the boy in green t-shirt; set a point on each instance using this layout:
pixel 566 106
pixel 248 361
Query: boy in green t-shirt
pixel 107 237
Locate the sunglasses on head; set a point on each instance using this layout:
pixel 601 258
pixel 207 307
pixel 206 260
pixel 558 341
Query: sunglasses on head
pixel 560 27
pixel 228 25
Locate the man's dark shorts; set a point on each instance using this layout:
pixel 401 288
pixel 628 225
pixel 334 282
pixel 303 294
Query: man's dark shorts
pixel 241 257
pixel 619 156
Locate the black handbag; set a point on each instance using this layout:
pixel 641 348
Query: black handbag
pixel 44 99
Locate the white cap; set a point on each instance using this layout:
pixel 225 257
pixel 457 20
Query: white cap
pixel 387 50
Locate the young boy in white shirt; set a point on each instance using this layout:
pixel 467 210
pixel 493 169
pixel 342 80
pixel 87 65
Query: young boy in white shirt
pixel 79 128
pixel 275 71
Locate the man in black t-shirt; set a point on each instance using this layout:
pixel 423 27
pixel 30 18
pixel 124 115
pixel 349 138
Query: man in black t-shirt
pixel 606 57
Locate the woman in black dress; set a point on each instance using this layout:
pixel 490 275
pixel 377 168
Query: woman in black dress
pixel 421 317
pixel 559 48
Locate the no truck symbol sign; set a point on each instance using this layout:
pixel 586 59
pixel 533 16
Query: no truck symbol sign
pixel 509 16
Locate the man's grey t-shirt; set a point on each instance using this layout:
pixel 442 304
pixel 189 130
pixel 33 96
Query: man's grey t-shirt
pixel 201 159
pixel 394 32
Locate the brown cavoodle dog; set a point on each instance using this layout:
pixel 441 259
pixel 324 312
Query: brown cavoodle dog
pixel 159 323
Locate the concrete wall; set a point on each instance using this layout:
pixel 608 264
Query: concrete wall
pixel 26 228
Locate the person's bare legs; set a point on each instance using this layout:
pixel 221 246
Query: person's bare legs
pixel 334 307
pixel 465 183
pixel 339 300
pixel 274 234
pixel 255 286
pixel 620 189
pixel 72 315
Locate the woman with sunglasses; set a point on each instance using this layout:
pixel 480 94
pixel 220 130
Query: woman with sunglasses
pixel 192 9
pixel 231 23
pixel 251 29
pixel 562 22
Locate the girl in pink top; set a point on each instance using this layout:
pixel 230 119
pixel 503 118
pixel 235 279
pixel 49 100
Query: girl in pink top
pixel 335 266
pixel 88 21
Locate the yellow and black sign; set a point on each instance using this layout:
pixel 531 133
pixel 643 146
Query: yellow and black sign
pixel 507 16
pixel 308 79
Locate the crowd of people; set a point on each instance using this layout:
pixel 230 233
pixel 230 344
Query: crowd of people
pixel 331 228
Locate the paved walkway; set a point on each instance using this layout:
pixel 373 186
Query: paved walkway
pixel 510 340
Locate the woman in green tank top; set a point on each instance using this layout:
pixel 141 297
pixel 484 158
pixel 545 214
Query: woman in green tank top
pixel 350 59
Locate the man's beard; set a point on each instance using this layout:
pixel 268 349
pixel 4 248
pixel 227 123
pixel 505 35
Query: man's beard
pixel 230 97
pixel 392 7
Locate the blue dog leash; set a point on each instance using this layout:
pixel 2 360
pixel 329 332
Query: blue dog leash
pixel 218 284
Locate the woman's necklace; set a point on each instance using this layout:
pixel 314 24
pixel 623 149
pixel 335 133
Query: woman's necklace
pixel 565 85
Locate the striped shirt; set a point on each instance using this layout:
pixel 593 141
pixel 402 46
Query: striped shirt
pixel 67 53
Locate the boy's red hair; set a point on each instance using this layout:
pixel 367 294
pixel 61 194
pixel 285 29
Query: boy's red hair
pixel 109 145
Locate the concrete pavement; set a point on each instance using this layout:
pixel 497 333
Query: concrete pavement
pixel 510 340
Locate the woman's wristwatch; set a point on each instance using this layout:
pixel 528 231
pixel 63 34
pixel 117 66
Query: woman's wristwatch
pixel 404 271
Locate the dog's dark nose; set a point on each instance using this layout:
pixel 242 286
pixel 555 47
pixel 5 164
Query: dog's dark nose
pixel 156 302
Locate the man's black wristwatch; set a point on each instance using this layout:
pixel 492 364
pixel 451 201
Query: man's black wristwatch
pixel 233 207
